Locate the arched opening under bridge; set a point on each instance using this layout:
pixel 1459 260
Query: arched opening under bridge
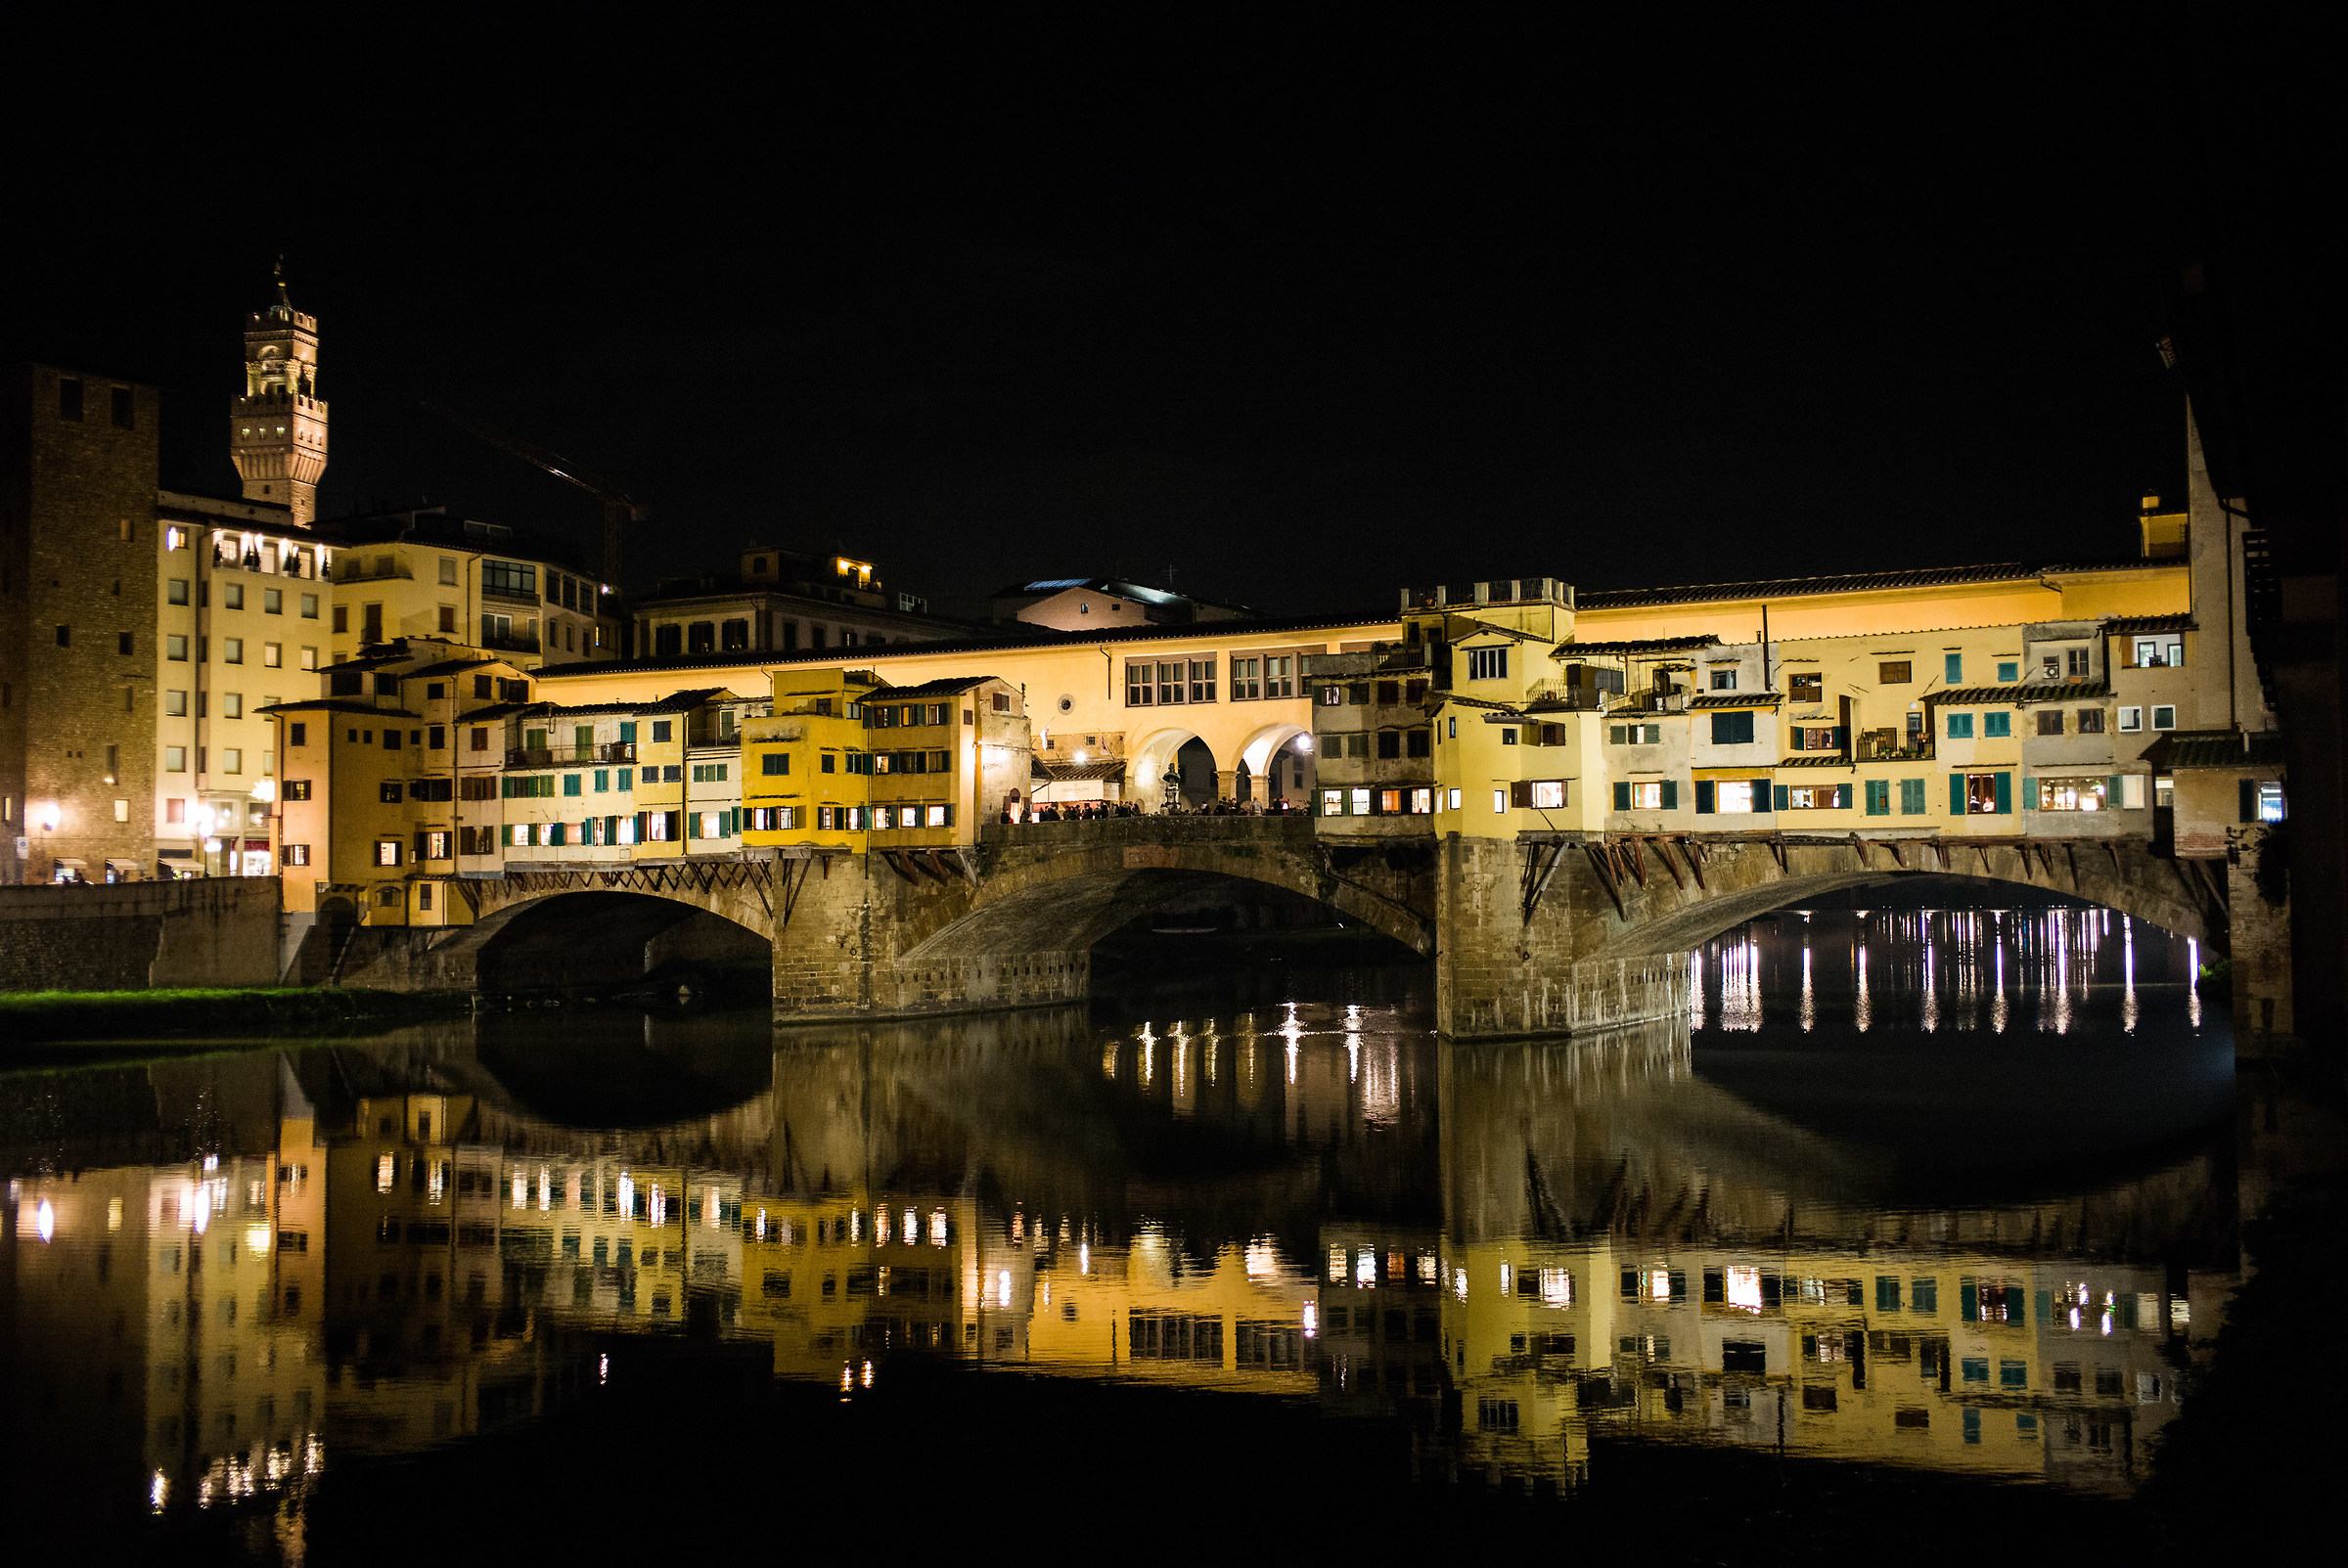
pixel 608 941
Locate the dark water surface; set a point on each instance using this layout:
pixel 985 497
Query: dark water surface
pixel 1918 1222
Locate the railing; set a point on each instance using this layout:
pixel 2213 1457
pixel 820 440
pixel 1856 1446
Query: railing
pixel 512 643
pixel 565 756
pixel 1573 698
pixel 355 570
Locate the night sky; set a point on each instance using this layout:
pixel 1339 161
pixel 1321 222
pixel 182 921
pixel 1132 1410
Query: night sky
pixel 1297 319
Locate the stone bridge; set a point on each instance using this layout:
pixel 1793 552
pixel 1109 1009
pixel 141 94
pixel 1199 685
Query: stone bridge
pixel 1546 935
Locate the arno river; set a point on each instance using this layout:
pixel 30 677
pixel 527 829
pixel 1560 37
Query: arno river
pixel 1914 1201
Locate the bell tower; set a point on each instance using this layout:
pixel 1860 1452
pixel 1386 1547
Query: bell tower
pixel 277 430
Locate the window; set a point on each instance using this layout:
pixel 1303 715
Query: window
pixel 1650 795
pixel 437 846
pixel 177 591
pixel 1912 798
pixel 232 596
pixel 2269 801
pixel 1644 735
pixel 1816 737
pixel 175 759
pixel 2132 719
pixel 342 619
pixel 1807 688
pixel 1895 672
pixel 1728 729
pixel 1878 794
pixel 2159 652
pixel 1813 797
pixel 297 789
pixel 175 705
pixel 1173 680
pixel 1740 795
pixel 386 852
pixel 1246 678
pixel 1980 794
pixel 1961 725
pixel 662 729
pixel 774 763
pixel 297 854
pixel 1487 664
pixel 1203 680
pixel 511 578
pixel 1723 680
pixel 2074 795
pixel 2163 717
pixel 1548 794
pixel 2049 721
pixel 1996 726
pixel 390 792
pixel 2074 662
pixel 1953 668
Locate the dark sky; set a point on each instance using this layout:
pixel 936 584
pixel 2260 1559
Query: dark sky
pixel 1301 319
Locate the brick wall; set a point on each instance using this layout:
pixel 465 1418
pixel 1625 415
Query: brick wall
pixel 220 931
pixel 69 491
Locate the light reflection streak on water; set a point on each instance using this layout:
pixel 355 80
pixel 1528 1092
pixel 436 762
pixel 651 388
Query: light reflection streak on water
pixel 2128 975
pixel 1696 990
pixel 1741 986
pixel 2193 980
pixel 1866 1009
pixel 1808 1000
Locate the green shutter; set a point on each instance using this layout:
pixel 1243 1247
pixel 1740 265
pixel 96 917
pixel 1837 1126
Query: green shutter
pixel 1956 669
pixel 1793 740
pixel 1878 797
pixel 1777 797
pixel 2111 791
pixel 1842 738
pixel 1703 797
pixel 505 834
pixel 2029 794
pixel 1671 794
pixel 2249 797
pixel 1956 794
pixel 1622 797
pixel 2005 794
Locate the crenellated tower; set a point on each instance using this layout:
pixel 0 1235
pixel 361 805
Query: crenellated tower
pixel 277 430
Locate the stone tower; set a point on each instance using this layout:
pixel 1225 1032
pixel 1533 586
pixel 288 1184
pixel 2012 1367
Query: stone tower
pixel 277 430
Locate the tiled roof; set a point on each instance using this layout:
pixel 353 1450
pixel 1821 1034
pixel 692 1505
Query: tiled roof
pixel 1075 771
pixel 1477 702
pixel 945 686
pixel 2131 626
pixel 1734 699
pixel 1852 583
pixel 2218 748
pixel 1481 627
pixel 2035 692
pixel 1816 759
pixel 338 704
pixel 1631 650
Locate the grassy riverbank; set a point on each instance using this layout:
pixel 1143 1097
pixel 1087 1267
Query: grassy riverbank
pixel 45 1017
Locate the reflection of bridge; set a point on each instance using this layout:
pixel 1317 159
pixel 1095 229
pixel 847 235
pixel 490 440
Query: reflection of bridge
pixel 1550 933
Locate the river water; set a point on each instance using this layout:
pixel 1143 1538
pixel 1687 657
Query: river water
pixel 1917 1210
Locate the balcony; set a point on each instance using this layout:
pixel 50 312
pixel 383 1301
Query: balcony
pixel 512 642
pixel 353 570
pixel 569 756
pixel 1558 694
pixel 509 593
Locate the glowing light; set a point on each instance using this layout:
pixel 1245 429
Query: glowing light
pixel 1658 1284
pixel 113 1214
pixel 201 1210
pixel 626 1194
pixel 1312 1320
pixel 1084 1258
pixel 1262 1260
pixel 545 1190
pixel 1336 1266
pixel 913 1227
pixel 256 1240
pixel 937 1228
pixel 158 1492
pixel 1426 1268
pixel 762 1224
pixel 712 1207
pixel 44 1220
pixel 1507 1280
pixel 1556 1287
pixel 1002 1288
pixel 522 1188
pixel 385 1165
pixel 1459 1283
pixel 1365 1269
pixel 847 1380
pixel 602 1368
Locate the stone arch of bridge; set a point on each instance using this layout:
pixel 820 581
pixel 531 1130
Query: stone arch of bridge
pixel 1148 761
pixel 1069 898
pixel 1661 917
pixel 1259 748
pixel 564 931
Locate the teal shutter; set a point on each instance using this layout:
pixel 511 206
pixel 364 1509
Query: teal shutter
pixel 1671 794
pixel 1956 669
pixel 2029 794
pixel 1622 797
pixel 2005 794
pixel 2249 799
pixel 1878 797
pixel 1956 794
pixel 1703 797
pixel 1842 738
pixel 1777 797
pixel 2111 791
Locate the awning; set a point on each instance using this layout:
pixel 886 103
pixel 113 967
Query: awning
pixel 70 865
pixel 1732 774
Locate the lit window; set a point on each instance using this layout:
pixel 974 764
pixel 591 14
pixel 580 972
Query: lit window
pixel 2269 801
pixel 1499 800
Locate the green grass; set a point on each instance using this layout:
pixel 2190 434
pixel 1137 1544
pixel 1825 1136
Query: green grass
pixel 32 1017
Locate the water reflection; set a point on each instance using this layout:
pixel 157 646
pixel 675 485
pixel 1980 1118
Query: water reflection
pixel 286 1262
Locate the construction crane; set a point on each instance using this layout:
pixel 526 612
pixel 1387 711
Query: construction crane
pixel 619 508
